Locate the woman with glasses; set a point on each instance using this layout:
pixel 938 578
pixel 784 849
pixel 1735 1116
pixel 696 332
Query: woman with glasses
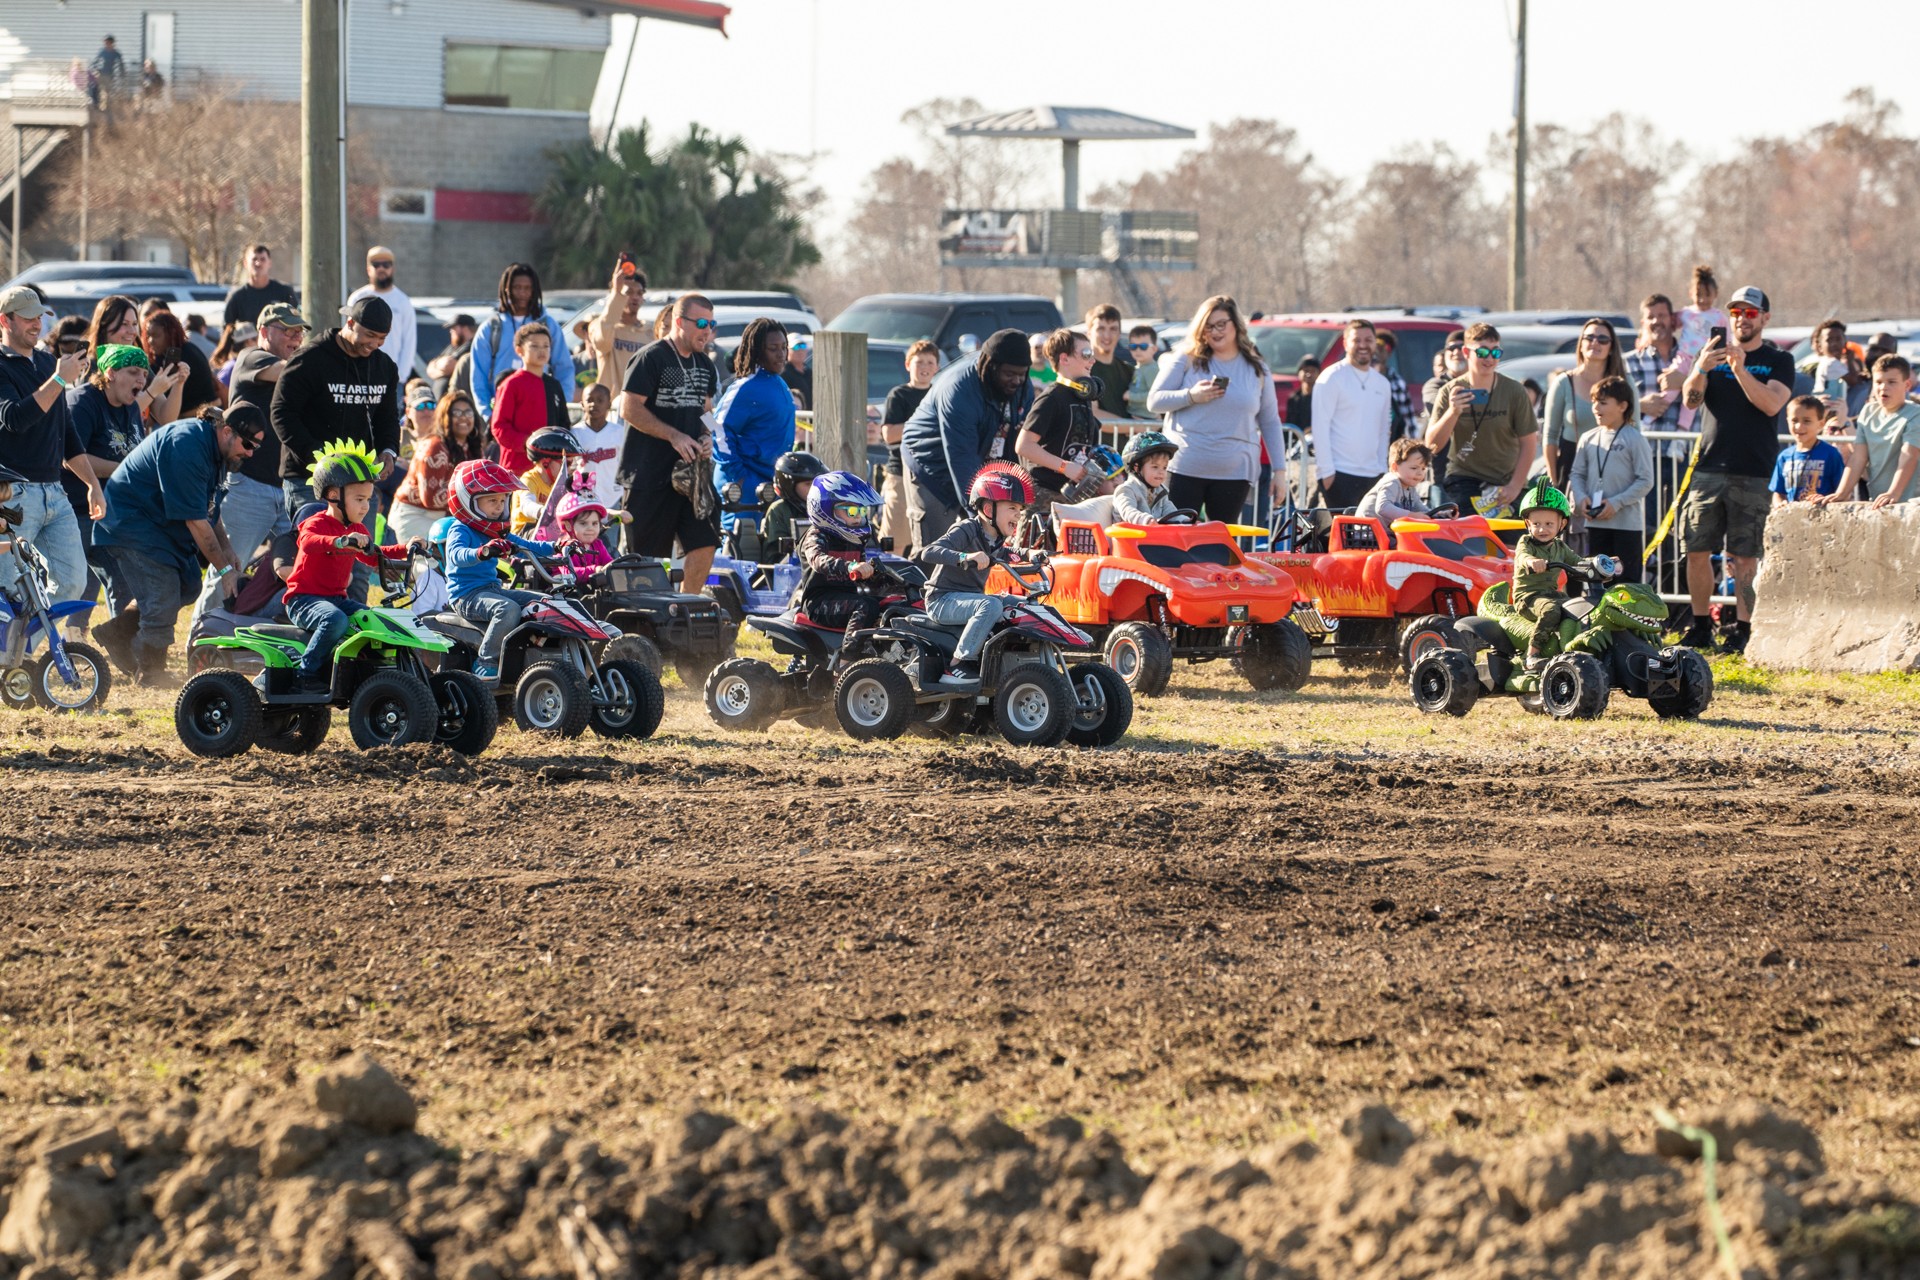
pixel 1219 406
pixel 452 435
pixel 1570 396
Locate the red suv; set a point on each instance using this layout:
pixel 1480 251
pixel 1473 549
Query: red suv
pixel 1286 340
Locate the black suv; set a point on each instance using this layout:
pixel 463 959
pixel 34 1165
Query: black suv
pixel 947 318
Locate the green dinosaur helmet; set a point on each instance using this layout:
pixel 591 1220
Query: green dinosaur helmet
pixel 342 463
pixel 1541 494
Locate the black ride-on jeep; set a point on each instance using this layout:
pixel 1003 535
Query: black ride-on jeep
pixel 640 596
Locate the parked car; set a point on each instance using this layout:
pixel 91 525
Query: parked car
pixel 1501 319
pixel 51 275
pixel 947 318
pixel 1285 340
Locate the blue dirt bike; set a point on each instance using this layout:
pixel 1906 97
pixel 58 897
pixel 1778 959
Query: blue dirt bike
pixel 64 675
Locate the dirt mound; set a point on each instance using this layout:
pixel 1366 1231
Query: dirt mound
pixel 331 1180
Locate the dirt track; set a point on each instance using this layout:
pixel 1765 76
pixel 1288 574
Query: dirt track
pixel 1231 950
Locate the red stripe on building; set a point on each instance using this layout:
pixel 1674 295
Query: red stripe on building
pixel 483 206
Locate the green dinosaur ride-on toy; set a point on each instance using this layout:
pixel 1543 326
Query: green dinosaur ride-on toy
pixel 1612 643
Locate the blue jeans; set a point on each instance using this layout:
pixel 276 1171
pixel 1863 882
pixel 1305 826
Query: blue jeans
pixel 47 522
pixel 974 614
pixel 156 587
pixel 299 494
pixel 326 621
pixel 499 608
pixel 252 513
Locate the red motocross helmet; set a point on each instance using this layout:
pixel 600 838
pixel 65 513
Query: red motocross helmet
pixel 1000 482
pixel 470 480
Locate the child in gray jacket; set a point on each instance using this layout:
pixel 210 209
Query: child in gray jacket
pixel 962 557
pixel 1612 473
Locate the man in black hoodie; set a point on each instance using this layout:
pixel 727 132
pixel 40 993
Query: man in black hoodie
pixel 339 386
pixel 970 416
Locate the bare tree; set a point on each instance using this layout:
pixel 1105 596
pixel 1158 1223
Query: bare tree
pixel 1419 232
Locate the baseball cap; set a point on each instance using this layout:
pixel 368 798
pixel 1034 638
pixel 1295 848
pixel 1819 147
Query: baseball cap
pixel 464 319
pixel 284 315
pixel 1750 296
pixel 21 301
pixel 369 313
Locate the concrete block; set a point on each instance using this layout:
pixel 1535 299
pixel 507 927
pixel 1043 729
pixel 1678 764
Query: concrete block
pixel 1839 589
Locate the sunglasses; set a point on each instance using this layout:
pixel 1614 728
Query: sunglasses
pixel 427 403
pixel 702 324
pixel 800 344
pixel 250 443
pixel 1601 338
pixel 383 263
pixel 1456 346
pixel 1744 313
pixel 70 345
pixel 1487 353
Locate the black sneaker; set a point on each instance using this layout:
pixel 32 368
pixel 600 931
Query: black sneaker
pixel 312 684
pixel 1735 641
pixel 1699 635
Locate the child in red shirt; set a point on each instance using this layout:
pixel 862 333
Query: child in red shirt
pixel 329 543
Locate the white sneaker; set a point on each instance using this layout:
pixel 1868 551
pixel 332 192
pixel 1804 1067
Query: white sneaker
pixel 958 677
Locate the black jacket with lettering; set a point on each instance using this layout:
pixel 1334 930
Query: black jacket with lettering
pixel 324 395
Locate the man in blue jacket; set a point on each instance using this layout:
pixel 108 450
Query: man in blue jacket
pixel 972 413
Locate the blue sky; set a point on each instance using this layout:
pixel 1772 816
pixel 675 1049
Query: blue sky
pixel 1354 81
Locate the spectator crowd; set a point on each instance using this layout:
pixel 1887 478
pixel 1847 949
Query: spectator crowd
pixel 164 468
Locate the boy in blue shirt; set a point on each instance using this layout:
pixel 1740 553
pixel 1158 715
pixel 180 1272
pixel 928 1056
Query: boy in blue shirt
pixel 1812 467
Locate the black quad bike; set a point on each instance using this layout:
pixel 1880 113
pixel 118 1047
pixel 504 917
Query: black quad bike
pixel 550 679
pixel 1027 689
pixel 750 694
pixel 640 596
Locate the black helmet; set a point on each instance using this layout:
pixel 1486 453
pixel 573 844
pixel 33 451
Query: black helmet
pixel 549 443
pixel 789 469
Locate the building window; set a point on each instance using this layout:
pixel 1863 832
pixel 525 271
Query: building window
pixel 516 78
pixel 405 204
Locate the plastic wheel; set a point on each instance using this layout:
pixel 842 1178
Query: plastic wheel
pixel 1425 634
pixel 92 679
pixel 1142 655
pixel 295 731
pixel 1696 686
pixel 16 688
pixel 552 698
pixel 874 700
pixel 634 649
pixel 217 714
pixel 392 708
pixel 469 713
pixel 1444 682
pixel 744 694
pixel 634 704
pixel 1574 686
pixel 1275 655
pixel 1103 705
pixel 1034 705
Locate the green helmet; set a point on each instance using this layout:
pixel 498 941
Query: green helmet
pixel 342 463
pixel 1144 446
pixel 1541 494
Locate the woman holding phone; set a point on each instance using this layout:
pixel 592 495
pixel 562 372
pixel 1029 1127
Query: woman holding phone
pixel 1219 405
pixel 1570 396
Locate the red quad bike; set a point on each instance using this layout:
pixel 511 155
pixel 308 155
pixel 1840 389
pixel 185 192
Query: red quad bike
pixel 549 676
pixel 1027 689
pixel 1371 601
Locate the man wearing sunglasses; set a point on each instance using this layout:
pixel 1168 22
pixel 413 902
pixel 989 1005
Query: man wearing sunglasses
pixel 163 524
pixel 669 390
pixel 1486 421
pixel 1143 347
pixel 1742 386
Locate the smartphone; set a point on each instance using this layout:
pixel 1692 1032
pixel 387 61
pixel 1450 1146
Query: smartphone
pixel 1718 333
pixel 1481 397
pixel 1220 381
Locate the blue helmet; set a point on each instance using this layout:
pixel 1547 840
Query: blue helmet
pixel 842 503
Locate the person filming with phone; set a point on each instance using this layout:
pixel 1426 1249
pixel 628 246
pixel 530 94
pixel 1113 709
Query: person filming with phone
pixel 1739 386
pixel 1220 406
pixel 1488 420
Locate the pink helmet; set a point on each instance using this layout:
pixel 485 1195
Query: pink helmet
pixel 470 480
pixel 575 505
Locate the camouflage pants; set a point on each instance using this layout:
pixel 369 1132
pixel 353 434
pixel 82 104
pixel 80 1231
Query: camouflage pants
pixel 1547 614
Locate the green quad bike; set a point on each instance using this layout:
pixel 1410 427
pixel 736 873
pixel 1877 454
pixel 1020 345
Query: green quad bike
pixel 1612 643
pixel 380 678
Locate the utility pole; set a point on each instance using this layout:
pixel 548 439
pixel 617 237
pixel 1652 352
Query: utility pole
pixel 322 143
pixel 1517 232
